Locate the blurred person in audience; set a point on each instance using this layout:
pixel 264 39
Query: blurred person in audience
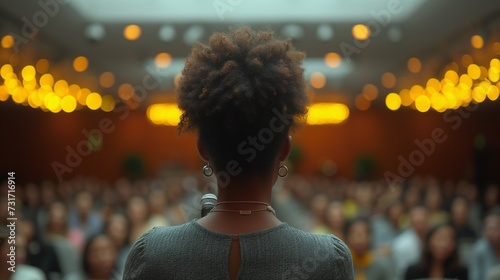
pixel 470 192
pixel 494 273
pixel 491 199
pixel 364 199
pixel 157 208
pixel 386 227
pixel 434 203
pixel 367 265
pixel 486 251
pixel 83 220
pixel 411 199
pixel 318 206
pixel 138 216
pixel 99 259
pixel 232 88
pixel 459 219
pixel 56 234
pixel 407 247
pixel 118 230
pixel 175 213
pixel 334 220
pixel 22 271
pixel 38 252
pixel 439 257
pixel 31 201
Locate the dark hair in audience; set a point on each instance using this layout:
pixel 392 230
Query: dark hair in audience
pixel 242 84
pixel 86 250
pixel 356 220
pixel 452 263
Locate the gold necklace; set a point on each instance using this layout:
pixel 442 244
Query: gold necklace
pixel 244 212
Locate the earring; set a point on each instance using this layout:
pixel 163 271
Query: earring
pixel 283 171
pixel 207 170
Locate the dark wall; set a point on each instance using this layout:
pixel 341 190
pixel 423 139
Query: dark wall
pixel 34 144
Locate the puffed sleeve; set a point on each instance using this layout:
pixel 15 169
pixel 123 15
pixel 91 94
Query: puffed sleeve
pixel 136 264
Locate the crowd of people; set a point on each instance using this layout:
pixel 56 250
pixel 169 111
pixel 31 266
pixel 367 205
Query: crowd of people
pixel 84 228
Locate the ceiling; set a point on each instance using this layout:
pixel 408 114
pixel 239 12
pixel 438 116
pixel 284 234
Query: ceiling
pixel 94 28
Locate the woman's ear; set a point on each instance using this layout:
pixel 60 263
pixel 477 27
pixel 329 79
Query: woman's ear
pixel 285 149
pixel 201 150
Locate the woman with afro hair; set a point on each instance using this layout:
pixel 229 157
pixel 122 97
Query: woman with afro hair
pixel 241 93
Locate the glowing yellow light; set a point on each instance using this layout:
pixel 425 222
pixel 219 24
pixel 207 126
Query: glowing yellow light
pixel 61 88
pixel 438 102
pixel 451 100
pixel 360 31
pixel 393 101
pixel 433 85
pixel 163 60
pixel 388 80
pixel 317 80
pixel 166 114
pixel 6 70
pixel 108 103
pixel 29 85
pixel 474 71
pixel 466 80
pixel 493 74
pixel 479 94
pixel 405 97
pixel 94 101
pixel 73 90
pixel 451 76
pixel 362 103
pixel 493 93
pixel 107 79
pixel 422 103
pixel 28 72
pixel 53 103
pixel 80 64
pixel 477 41
pixel 47 79
pixel 68 104
pixel 34 99
pixel 42 66
pixel 333 59
pixel 327 113
pixel 20 95
pixel 4 95
pixel 132 32
pixel 370 92
pixel 82 95
pixel 414 65
pixel 7 41
pixel 126 91
pixel 415 91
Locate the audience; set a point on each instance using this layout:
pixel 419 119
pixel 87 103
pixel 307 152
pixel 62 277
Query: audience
pixel 439 257
pixel 486 251
pixel 367 265
pixel 83 228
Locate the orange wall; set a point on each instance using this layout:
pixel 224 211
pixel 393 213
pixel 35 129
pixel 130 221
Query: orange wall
pixel 31 141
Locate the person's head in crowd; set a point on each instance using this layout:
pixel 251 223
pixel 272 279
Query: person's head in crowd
pixel 57 223
pixel 335 218
pixel 459 212
pixel 440 249
pixel 491 197
pixel 123 190
pixel 137 211
pixel 492 229
pixel 364 196
pixel 433 198
pixel 118 229
pixel 394 213
pixel 99 257
pixel 419 218
pixel 32 195
pixel 83 204
pixel 243 84
pixel 48 193
pixel 319 203
pixel 357 234
pixel 157 202
pixel 411 197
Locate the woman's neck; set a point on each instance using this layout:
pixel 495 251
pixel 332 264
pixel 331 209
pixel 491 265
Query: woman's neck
pixel 247 188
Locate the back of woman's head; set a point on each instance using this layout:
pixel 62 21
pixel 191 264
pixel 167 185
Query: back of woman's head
pixel 242 92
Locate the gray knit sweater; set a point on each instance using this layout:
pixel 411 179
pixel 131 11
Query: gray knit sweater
pixel 190 251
